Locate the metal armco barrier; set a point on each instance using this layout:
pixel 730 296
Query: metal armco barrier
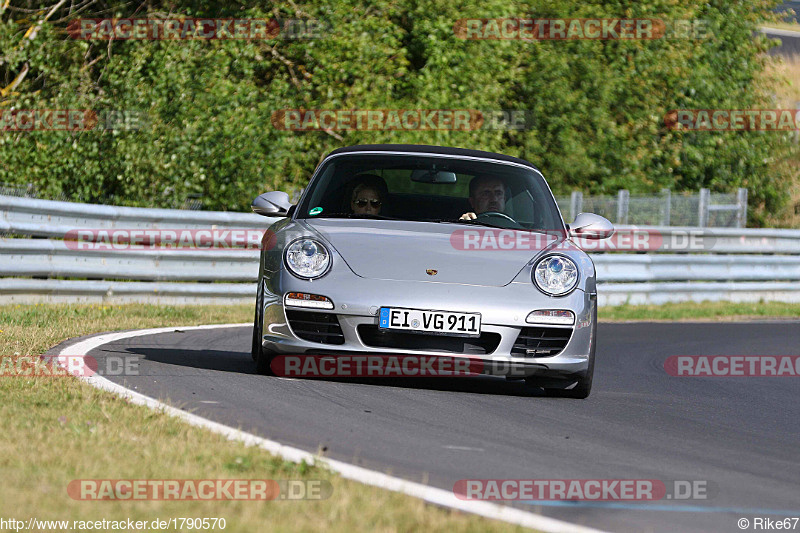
pixel 54 259
pixel 46 218
pixel 733 264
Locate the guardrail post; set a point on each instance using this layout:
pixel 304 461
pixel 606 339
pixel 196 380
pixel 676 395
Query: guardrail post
pixel 575 204
pixel 622 206
pixel 741 203
pixel 667 212
pixel 702 208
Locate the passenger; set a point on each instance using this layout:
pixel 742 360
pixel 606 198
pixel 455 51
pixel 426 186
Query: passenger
pixel 368 195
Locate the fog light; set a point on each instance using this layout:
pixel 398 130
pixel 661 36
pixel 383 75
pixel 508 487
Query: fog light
pixel 559 317
pixel 302 299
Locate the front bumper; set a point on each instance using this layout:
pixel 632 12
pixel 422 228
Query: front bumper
pixel 503 313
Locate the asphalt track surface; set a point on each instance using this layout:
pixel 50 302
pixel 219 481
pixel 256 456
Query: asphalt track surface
pixel 790 40
pixel 740 435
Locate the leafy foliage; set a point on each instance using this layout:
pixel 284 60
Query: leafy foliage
pixel 598 106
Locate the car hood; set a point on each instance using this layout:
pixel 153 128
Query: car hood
pixel 403 250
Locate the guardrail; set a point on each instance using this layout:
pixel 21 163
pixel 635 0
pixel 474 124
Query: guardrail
pixel 48 218
pixel 730 264
pixel 54 259
pixel 66 291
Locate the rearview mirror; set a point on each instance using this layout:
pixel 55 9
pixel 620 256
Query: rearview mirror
pixel 274 203
pixel 433 176
pixel 591 226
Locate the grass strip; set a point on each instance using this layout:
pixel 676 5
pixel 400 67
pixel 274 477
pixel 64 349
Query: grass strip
pixel 56 430
pixel 704 311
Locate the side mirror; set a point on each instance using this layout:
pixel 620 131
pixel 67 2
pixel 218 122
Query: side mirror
pixel 275 203
pixel 591 226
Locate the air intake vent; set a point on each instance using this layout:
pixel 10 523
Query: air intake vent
pixel 541 342
pixel 372 336
pixel 315 327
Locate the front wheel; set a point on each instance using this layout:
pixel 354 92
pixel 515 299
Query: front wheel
pixel 262 357
pixel 579 392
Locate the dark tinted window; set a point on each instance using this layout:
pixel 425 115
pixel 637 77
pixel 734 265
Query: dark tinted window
pixel 424 188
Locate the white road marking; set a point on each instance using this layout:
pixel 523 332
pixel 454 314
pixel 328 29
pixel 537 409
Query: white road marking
pixel 776 31
pixel 464 448
pixel 436 496
pixel 207 401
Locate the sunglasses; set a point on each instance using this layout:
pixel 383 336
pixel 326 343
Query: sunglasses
pixel 363 203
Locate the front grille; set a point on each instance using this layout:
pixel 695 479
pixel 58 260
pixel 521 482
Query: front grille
pixel 373 336
pixel 541 341
pixel 315 327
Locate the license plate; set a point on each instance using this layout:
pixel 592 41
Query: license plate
pixel 436 322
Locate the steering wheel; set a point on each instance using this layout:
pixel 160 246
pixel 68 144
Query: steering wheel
pixel 504 222
pixel 487 214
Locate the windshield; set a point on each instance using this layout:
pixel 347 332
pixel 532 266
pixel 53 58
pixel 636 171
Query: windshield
pixel 431 189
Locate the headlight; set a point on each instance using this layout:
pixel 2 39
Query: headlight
pixel 555 275
pixel 307 258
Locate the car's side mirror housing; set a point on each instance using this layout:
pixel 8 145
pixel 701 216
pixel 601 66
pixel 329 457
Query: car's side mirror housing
pixel 271 204
pixel 591 226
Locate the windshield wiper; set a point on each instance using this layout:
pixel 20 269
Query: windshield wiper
pixel 468 222
pixel 482 223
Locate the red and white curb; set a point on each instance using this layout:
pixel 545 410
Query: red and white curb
pixel 429 494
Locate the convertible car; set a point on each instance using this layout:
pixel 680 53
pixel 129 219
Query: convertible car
pixel 410 249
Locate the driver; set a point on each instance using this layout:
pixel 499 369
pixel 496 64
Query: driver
pixel 486 193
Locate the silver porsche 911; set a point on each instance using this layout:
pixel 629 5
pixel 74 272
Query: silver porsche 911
pixel 409 249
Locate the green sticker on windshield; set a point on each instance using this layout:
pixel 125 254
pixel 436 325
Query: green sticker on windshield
pixel 315 211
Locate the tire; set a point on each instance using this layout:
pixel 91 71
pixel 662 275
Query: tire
pixel 580 391
pixel 261 357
